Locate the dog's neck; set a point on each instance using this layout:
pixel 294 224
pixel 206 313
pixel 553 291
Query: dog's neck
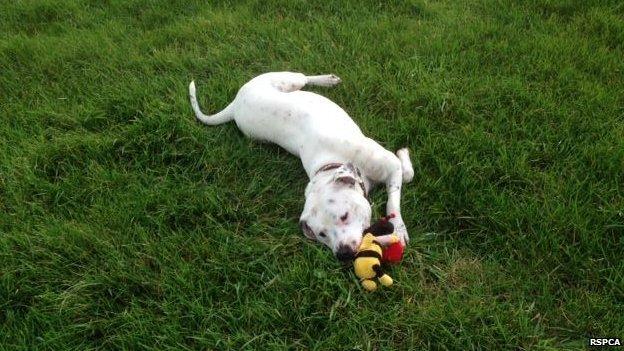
pixel 332 167
pixel 328 167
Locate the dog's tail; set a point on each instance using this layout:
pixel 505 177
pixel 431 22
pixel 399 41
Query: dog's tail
pixel 221 117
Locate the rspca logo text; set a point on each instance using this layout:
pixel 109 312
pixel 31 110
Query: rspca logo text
pixel 605 342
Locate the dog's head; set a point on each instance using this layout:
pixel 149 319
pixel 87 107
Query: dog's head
pixel 336 210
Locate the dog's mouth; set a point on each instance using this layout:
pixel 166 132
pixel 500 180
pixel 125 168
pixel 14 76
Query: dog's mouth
pixel 345 254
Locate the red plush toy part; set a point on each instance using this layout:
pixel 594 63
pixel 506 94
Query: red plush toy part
pixel 393 253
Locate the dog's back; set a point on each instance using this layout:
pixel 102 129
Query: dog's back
pixel 270 107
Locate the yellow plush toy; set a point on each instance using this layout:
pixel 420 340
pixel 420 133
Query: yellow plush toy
pixel 367 263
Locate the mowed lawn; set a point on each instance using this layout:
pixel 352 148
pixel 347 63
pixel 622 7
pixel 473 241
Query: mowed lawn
pixel 125 224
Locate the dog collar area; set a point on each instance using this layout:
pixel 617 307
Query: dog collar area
pixel 334 165
pixel 328 167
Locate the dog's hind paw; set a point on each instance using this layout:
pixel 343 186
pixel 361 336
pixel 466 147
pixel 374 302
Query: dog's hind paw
pixel 333 79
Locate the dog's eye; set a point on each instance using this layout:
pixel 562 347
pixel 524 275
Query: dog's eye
pixel 322 234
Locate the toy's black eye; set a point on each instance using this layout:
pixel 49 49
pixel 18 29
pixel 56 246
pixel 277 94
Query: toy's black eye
pixel 322 234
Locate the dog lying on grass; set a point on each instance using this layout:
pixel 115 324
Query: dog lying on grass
pixel 342 164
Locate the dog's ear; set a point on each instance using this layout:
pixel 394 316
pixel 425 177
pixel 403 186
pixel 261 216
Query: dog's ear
pixel 346 179
pixel 307 231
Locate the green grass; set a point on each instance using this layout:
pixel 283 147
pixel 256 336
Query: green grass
pixel 124 224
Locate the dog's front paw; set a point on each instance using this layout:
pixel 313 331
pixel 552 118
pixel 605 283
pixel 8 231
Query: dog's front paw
pixel 400 229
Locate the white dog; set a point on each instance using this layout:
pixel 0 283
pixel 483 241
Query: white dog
pixel 341 162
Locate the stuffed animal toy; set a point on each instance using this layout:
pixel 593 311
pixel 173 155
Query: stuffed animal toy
pixel 371 253
pixel 393 253
pixel 367 263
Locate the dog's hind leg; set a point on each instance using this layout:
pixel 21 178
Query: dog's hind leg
pixel 325 80
pixel 287 82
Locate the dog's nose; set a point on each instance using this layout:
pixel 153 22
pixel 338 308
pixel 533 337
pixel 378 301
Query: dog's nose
pixel 345 253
